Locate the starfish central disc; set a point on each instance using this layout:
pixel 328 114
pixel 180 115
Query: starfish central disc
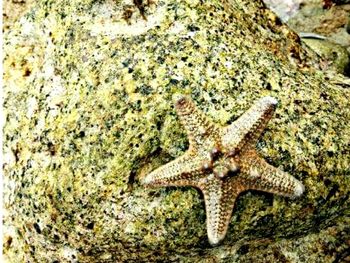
pixel 220 164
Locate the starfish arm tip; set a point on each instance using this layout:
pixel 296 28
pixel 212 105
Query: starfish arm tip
pixel 147 180
pixel 269 100
pixel 299 189
pixel 179 98
pixel 215 240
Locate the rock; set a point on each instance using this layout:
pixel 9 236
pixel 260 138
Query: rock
pixel 12 10
pixel 87 103
pixel 333 56
pixel 331 23
pixel 341 2
pixel 284 9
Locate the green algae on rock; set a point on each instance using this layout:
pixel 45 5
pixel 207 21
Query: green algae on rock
pixel 88 112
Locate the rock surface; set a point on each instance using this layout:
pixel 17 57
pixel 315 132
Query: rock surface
pixel 87 87
pixel 314 16
pixel 333 57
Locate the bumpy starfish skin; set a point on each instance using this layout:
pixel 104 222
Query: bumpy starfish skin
pixel 222 162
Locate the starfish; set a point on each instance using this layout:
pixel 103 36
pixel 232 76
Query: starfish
pixel 222 162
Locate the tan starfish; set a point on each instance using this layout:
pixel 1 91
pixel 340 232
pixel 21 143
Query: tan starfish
pixel 222 162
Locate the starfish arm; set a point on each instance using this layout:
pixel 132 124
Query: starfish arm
pixel 182 171
pixel 248 127
pixel 219 197
pixel 263 176
pixel 196 124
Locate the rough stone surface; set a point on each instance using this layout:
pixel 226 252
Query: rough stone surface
pixel 12 10
pixel 88 86
pixel 329 21
pixel 333 56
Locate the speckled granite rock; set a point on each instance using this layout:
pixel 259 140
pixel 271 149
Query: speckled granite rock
pixel 88 110
pixel 12 10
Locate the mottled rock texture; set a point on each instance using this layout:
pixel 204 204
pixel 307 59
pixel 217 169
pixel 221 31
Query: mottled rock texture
pixel 87 102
